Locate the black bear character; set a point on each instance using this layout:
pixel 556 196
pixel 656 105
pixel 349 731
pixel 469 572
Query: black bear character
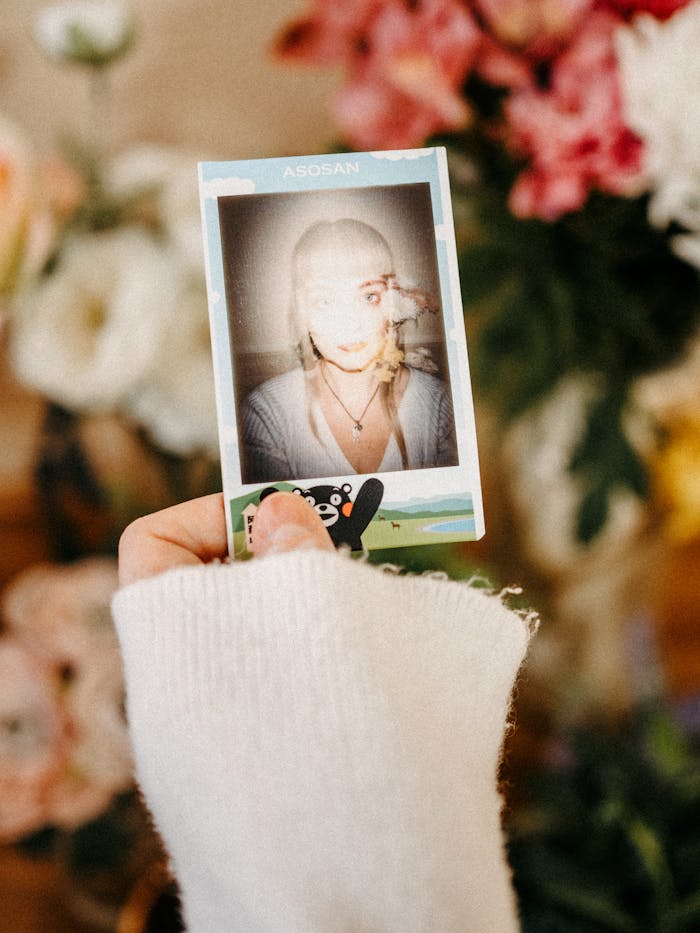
pixel 344 519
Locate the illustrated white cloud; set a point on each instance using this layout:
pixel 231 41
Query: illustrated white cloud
pixel 395 155
pixel 216 187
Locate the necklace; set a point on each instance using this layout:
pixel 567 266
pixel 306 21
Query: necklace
pixel 357 422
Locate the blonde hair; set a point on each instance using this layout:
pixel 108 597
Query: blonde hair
pixel 346 244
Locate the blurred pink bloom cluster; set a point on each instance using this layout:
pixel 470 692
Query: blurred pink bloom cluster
pixel 572 133
pixel 406 64
pixel 660 9
pixel 64 750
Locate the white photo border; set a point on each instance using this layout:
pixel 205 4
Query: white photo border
pixel 335 171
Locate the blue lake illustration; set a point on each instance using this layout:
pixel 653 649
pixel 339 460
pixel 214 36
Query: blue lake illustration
pixel 454 526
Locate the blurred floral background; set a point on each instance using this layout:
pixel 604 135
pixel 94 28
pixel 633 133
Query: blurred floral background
pixel 573 135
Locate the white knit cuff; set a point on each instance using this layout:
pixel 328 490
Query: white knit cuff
pixel 318 742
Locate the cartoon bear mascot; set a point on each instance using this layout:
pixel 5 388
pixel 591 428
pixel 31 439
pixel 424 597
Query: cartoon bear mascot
pixel 344 519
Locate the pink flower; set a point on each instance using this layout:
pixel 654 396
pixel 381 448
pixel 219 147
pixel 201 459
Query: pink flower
pixel 499 65
pixel 521 34
pixel 406 83
pixel 573 132
pixel 406 65
pixel 661 9
pixel 330 33
pixel 539 28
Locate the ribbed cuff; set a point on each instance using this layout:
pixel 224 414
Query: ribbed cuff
pixel 318 741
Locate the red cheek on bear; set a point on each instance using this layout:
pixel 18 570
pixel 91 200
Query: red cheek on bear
pixel 347 509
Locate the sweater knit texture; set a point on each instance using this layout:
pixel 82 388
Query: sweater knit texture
pixel 318 742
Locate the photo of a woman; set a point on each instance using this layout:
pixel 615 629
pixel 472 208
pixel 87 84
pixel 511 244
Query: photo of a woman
pixel 354 405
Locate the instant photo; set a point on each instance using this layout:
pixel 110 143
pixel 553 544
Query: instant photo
pixel 339 347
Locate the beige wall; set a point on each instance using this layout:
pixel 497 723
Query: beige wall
pixel 201 76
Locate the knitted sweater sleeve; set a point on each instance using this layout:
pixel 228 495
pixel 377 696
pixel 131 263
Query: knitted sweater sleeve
pixel 318 742
pixel 264 433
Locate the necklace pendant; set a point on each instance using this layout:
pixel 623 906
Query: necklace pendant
pixel 356 428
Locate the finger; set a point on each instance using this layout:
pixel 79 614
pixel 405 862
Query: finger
pixel 193 532
pixel 284 522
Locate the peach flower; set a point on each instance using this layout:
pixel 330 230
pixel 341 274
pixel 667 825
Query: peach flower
pixel 63 612
pixel 37 197
pixel 101 751
pixel 31 736
pixel 15 196
pixel 27 226
pixel 64 747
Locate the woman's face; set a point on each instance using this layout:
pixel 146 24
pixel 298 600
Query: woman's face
pixel 347 316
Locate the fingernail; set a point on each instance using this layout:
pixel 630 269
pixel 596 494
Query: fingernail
pixel 287 538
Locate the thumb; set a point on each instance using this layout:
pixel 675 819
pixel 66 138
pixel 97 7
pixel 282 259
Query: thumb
pixel 284 522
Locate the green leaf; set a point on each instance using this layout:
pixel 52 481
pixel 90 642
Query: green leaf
pixel 685 916
pixel 651 854
pixel 591 905
pixel 593 512
pixel 666 746
pixel 482 270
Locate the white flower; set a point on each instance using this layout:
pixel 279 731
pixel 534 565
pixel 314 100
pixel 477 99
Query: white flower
pixel 170 178
pixel 139 169
pixel 177 404
pixel 91 32
pixel 687 247
pixel 660 79
pixel 181 215
pixel 674 389
pixel 546 495
pixel 91 330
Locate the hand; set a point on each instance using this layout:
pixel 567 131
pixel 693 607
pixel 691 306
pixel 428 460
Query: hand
pixel 194 532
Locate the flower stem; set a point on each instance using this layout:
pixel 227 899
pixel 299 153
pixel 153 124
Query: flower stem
pixel 99 122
